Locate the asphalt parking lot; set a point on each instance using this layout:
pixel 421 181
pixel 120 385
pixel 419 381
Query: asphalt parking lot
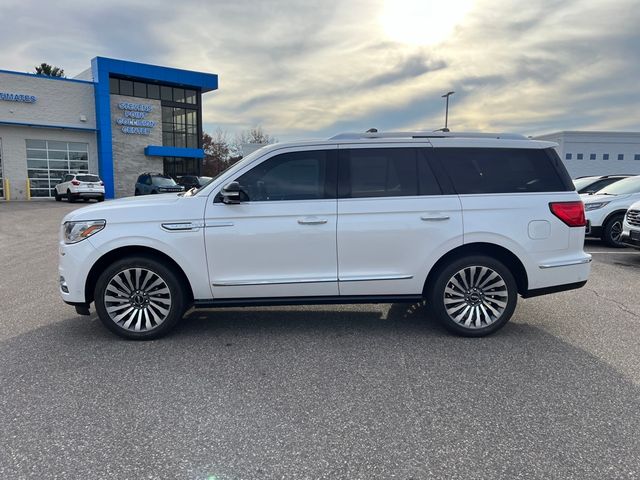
pixel 357 392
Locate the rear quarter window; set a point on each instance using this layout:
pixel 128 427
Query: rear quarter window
pixel 504 170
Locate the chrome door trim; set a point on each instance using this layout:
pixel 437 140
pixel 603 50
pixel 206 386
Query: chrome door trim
pixel 369 278
pixel 274 281
pixel 218 224
pixel 569 263
pixel 312 221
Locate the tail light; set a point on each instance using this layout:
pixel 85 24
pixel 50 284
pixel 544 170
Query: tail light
pixel 75 182
pixel 571 213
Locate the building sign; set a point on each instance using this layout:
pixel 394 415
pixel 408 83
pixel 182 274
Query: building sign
pixel 17 97
pixel 134 121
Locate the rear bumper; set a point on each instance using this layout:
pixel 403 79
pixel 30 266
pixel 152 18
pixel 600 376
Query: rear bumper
pixel 554 273
pixel 89 194
pixel 555 289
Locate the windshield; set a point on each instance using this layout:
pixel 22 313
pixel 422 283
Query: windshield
pixel 163 181
pixel 580 183
pixel 627 185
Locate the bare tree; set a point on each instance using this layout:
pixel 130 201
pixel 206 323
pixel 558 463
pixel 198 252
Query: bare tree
pixel 254 135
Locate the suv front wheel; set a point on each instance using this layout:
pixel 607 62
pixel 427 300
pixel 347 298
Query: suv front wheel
pixel 612 231
pixel 473 296
pixel 139 298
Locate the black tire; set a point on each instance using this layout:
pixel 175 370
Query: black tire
pixel 612 230
pixel 101 199
pixel 482 305
pixel 86 199
pixel 70 197
pixel 125 302
pixel 154 191
pixel 137 192
pixel 57 196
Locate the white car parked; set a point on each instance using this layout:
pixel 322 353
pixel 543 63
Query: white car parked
pixel 606 209
pixel 631 227
pixel 79 186
pixel 464 221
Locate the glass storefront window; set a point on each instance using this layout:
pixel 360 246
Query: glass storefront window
pixel 139 89
pixel 178 95
pixel 153 91
pixel 177 166
pixel 126 87
pixel 180 127
pixel 166 93
pixel 114 85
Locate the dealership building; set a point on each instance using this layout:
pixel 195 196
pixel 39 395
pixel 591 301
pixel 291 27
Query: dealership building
pixel 117 119
pixel 597 153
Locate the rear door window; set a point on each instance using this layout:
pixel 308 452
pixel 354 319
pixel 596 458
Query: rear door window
pixel 504 170
pixel 385 172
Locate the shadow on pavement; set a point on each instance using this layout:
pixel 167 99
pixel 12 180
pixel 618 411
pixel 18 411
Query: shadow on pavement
pixel 312 393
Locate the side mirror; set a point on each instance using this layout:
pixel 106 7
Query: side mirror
pixel 231 193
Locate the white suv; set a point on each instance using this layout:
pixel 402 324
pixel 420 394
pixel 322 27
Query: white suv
pixel 631 227
pixel 606 208
pixel 76 186
pixel 464 221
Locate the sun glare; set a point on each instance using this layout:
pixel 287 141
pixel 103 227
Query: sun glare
pixel 422 22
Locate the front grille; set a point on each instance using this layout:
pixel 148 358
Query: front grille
pixel 633 217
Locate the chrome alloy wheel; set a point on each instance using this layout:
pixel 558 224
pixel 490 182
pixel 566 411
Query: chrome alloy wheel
pixel 475 297
pixel 616 231
pixel 137 299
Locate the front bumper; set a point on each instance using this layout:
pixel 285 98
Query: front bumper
pixel 74 263
pixel 626 239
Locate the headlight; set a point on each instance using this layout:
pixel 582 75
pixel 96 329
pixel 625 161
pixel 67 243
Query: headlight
pixel 594 206
pixel 74 232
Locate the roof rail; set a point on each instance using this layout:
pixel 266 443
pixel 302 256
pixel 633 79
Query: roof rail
pixel 426 134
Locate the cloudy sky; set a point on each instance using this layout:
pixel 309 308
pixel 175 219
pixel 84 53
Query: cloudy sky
pixel 308 69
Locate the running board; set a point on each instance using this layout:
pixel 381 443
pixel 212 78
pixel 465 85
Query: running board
pixel 319 300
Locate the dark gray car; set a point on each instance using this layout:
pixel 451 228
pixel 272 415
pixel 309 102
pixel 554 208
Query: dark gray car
pixel 156 183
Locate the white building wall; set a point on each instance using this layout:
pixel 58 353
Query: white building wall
pixel 599 144
pixel 59 102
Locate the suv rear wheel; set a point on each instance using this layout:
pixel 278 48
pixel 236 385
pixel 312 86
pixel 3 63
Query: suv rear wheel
pixel 473 296
pixel 139 298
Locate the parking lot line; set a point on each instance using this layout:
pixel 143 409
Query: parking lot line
pixel 608 253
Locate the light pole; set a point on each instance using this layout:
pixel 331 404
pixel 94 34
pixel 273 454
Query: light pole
pixel 446 111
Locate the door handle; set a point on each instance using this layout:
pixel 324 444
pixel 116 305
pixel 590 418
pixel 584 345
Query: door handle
pixel 312 221
pixel 434 218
